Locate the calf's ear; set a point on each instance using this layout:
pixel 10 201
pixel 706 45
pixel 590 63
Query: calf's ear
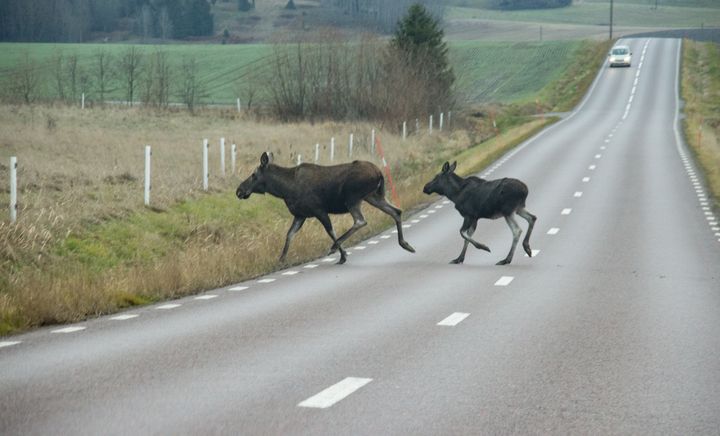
pixel 264 159
pixel 453 166
pixel 446 167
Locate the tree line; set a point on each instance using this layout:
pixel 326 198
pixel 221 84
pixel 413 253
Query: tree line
pixel 77 20
pixel 383 14
pixel 138 76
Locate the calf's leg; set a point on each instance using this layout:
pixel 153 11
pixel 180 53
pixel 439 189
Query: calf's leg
pixel 325 221
pixel 296 225
pixel 530 218
pixel 461 257
pixel 463 233
pixel 516 231
pixel 379 202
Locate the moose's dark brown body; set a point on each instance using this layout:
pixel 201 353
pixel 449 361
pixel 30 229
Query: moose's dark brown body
pixel 477 198
pixel 314 191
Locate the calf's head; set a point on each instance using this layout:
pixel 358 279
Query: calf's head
pixel 442 182
pixel 256 183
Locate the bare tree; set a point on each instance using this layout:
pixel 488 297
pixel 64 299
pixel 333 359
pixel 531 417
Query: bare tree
pixel 131 69
pixel 58 72
pixel 73 75
pixel 25 81
pixel 156 83
pixel 103 73
pixel 191 89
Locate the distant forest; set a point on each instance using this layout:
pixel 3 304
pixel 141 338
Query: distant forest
pixel 382 13
pixel 76 20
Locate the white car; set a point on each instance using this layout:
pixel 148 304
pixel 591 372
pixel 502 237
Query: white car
pixel 620 56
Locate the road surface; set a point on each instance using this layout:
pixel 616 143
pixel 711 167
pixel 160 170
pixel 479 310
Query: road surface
pixel 612 328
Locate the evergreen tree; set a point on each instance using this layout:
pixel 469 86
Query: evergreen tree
pixel 418 40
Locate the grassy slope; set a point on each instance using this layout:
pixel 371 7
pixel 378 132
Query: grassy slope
pixel 625 14
pixel 145 255
pixel 701 92
pixel 490 71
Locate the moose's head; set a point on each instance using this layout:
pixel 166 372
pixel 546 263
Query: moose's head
pixel 256 183
pixel 443 182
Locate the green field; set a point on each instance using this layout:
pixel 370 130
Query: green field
pixel 626 13
pixel 486 71
pixel 503 72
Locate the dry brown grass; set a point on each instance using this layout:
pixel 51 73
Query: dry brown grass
pixel 701 92
pixel 84 244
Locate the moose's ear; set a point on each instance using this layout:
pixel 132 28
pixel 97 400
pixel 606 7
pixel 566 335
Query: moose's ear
pixel 265 159
pixel 271 156
pixel 453 166
pixel 446 167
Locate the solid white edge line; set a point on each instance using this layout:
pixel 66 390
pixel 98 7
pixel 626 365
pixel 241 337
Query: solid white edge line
pixel 454 319
pixel 337 392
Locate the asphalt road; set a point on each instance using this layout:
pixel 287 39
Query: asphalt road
pixel 612 328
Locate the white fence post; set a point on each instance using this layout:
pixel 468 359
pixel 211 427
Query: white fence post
pixel 332 149
pixel 205 164
pixel 222 157
pixel 82 104
pixel 404 130
pixel 372 142
pixel 350 146
pixel 417 125
pixel 442 117
pixel 233 157
pixel 13 189
pixel 449 118
pixel 317 152
pixel 148 153
pixel 238 105
pixel 430 127
pixel 299 159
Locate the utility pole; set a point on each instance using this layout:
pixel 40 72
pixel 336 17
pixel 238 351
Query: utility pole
pixel 611 17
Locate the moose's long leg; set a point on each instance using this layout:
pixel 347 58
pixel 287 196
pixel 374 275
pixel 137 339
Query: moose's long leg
pixel 294 227
pixel 530 218
pixel 358 223
pixel 516 231
pixel 461 257
pixel 325 221
pixel 463 232
pixel 379 202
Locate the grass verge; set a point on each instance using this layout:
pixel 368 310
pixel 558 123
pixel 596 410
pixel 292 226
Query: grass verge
pixel 700 89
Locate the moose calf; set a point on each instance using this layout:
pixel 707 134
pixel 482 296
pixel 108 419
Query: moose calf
pixel 477 198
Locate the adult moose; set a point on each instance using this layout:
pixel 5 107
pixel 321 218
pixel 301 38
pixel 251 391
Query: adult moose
pixel 314 191
pixel 477 198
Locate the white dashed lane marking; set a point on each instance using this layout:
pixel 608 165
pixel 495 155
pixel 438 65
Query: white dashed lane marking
pixel 592 167
pixel 385 236
pixel 553 231
pixel 268 280
pixel 237 288
pixel 335 393
pixel 504 281
pixel 578 194
pixel 206 297
pixel 454 319
pixel 290 273
pixel 310 266
pixel 373 242
pixel 586 179
pixel 566 211
pixel 124 317
pixel 168 306
pixel 69 329
pixel 8 343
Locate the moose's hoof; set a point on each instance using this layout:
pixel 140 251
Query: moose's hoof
pixel 527 250
pixel 503 262
pixel 342 260
pixel 457 261
pixel 407 246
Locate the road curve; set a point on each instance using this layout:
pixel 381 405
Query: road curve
pixel 612 328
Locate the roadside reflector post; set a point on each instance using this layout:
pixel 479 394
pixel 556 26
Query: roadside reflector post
pixel 350 146
pixel 238 105
pixel 233 158
pixel 299 159
pixel 222 157
pixel 372 143
pixel 430 127
pixel 148 154
pixel 404 136
pixel 332 149
pixel 442 119
pixel 205 164
pixel 13 189
pixel 317 152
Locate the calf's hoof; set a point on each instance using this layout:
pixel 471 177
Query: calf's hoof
pixel 342 260
pixel 503 262
pixel 527 250
pixel 457 261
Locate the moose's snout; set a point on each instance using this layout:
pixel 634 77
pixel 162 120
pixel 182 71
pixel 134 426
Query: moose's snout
pixel 427 189
pixel 241 194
